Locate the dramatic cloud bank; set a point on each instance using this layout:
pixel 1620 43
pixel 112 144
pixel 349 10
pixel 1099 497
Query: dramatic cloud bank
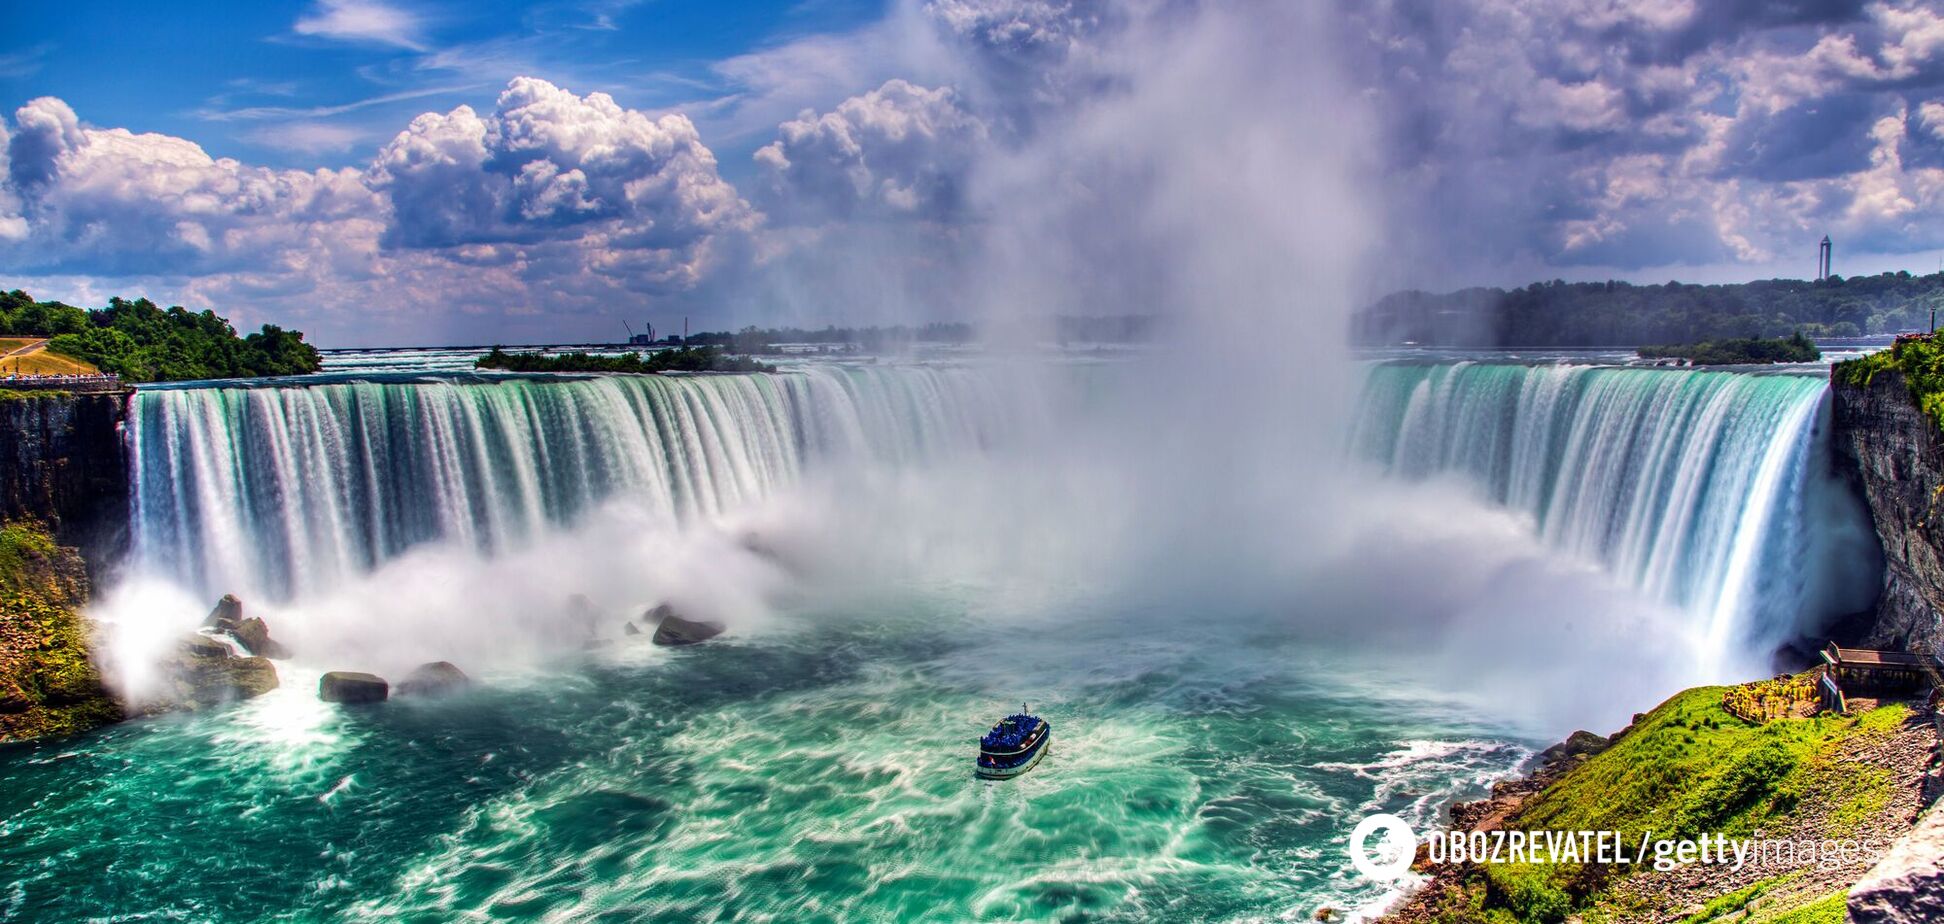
pixel 1629 133
pixel 1511 138
pixel 552 199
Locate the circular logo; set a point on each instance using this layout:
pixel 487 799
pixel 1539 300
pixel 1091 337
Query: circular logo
pixel 1392 858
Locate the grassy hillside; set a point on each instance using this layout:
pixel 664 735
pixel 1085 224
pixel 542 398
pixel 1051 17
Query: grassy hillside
pixel 40 362
pixel 48 684
pixel 1690 768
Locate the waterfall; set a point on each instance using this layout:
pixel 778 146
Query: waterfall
pixel 1689 485
pixel 287 489
pixel 1695 487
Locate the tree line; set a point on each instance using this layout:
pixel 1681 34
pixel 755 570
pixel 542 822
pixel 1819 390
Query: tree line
pixel 1583 314
pixel 680 359
pixel 142 342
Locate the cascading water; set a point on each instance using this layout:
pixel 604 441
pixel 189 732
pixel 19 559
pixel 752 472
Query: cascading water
pixel 1690 485
pixel 816 767
pixel 280 490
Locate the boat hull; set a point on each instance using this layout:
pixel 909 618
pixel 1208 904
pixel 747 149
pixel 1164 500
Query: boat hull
pixel 1006 773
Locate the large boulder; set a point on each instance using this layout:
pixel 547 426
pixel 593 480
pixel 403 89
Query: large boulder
pixel 251 676
pixel 254 635
pixel 228 612
pixel 1907 885
pixel 437 678
pixel 1577 746
pixel 672 629
pixel 201 672
pixel 352 687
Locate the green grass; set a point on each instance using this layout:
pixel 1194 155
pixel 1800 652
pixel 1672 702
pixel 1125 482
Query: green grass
pixel 1830 909
pixel 22 545
pixel 1921 362
pixel 31 394
pixel 1690 768
pixel 45 668
pixel 1738 899
pixel 46 362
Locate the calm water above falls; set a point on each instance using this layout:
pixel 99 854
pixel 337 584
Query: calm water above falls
pixel 819 769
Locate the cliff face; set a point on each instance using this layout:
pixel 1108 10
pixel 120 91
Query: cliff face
pixel 1895 454
pixel 49 684
pixel 62 463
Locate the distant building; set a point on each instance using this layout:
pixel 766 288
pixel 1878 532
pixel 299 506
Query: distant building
pixel 1823 256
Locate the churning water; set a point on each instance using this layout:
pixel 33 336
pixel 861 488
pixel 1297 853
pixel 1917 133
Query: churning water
pixel 1214 743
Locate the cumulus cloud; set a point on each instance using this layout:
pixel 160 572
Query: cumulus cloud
pixel 551 198
pixel 1627 134
pixel 112 201
pixel 1598 133
pixel 900 151
pixel 640 195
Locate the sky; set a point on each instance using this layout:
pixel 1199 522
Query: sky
pixel 423 171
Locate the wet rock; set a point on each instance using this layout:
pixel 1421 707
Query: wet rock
pixel 228 612
pixel 13 698
pixel 1907 885
pixel 251 676
pixel 196 646
pixel 628 628
pixel 352 687
pixel 201 672
pixel 254 635
pixel 437 678
pixel 672 629
pixel 1889 448
pixel 1577 746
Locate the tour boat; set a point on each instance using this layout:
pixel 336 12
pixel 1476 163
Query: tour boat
pixel 1013 746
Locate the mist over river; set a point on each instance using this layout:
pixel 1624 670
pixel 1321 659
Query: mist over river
pixel 1239 662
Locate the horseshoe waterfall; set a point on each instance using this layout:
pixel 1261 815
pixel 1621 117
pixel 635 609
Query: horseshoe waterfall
pixel 895 551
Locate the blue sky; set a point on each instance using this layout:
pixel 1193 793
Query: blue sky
pixel 424 171
pixel 250 81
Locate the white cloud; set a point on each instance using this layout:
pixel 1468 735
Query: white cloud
pixel 900 150
pixel 362 21
pixel 638 195
pixel 568 201
pixel 115 201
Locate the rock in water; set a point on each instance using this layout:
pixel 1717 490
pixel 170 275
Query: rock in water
pixel 1907 885
pixel 352 687
pixel 252 676
pixel 228 612
pixel 674 630
pixel 628 628
pixel 254 635
pixel 202 672
pixel 200 647
pixel 438 678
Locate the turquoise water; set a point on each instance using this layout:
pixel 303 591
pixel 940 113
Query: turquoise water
pixel 818 773
pixel 1234 679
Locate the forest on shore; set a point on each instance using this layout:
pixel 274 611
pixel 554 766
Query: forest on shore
pixel 143 342
pixel 1614 314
